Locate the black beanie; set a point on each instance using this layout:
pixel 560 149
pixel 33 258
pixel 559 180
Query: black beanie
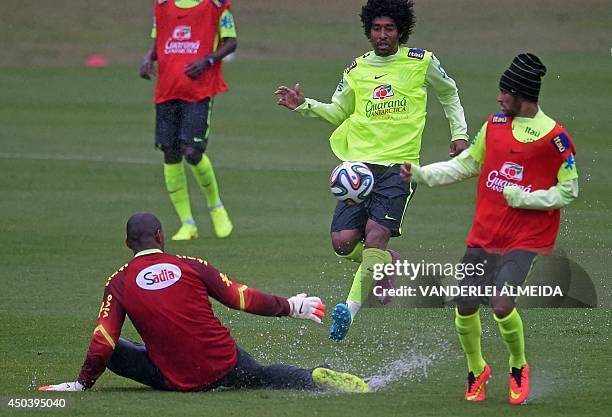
pixel 523 76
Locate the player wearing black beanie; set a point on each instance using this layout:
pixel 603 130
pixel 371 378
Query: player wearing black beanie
pixel 523 78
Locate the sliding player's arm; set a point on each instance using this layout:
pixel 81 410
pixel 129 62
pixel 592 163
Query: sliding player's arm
pixel 103 340
pixel 233 294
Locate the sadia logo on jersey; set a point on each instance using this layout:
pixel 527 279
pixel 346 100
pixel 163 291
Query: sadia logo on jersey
pixel 382 92
pixel 158 276
pixel 512 171
pixel 182 33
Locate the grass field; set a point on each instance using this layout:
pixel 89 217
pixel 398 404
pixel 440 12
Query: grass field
pixel 77 160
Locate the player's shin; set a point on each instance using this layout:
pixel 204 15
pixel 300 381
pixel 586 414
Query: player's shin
pixel 176 184
pixel 353 301
pixel 205 176
pixel 364 277
pixel 511 330
pixel 469 331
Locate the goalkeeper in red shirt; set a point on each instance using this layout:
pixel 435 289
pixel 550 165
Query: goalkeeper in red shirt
pixel 527 173
pixel 186 348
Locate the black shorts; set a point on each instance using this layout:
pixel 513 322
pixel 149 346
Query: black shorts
pixel 386 204
pixel 510 269
pixel 179 122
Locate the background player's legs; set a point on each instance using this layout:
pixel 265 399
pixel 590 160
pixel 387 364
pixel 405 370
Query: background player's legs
pixel 194 139
pixel 167 131
pixel 176 184
pixel 130 360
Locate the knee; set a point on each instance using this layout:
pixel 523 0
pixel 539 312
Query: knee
pixel 344 241
pixel 502 307
pixel 172 155
pixel 192 155
pixel 467 309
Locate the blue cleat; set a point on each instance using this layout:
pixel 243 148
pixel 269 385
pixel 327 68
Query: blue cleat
pixel 342 320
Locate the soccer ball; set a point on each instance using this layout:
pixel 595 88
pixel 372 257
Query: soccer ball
pixel 351 182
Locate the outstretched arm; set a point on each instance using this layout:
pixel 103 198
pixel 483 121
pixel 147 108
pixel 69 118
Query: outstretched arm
pixel 442 173
pixel 291 98
pixel 341 107
pixel 239 296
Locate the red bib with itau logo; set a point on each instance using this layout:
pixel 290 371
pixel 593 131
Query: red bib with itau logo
pixel 183 36
pixel 531 166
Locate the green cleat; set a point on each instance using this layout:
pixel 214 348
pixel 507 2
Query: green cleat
pixel 221 221
pixel 186 232
pixel 326 378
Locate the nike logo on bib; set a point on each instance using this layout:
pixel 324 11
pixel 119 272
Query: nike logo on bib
pixel 376 77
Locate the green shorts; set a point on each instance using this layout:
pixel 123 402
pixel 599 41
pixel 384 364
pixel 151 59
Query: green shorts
pixel 386 204
pixel 179 122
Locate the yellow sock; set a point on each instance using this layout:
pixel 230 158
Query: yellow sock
pixel 355 255
pixel 469 331
pixel 205 176
pixel 364 280
pixel 176 184
pixel 511 330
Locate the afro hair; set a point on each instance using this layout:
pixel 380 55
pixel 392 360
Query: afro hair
pixel 401 11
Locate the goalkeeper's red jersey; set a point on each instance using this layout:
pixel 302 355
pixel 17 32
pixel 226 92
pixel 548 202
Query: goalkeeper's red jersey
pixel 166 298
pixel 184 35
pixel 531 166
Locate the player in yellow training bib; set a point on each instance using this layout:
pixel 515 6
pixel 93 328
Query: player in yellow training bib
pixel 379 109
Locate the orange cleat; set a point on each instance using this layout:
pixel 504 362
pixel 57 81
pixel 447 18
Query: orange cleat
pixel 519 385
pixel 475 390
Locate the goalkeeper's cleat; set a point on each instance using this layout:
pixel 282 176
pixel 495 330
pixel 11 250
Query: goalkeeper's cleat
pixel 388 281
pixel 519 385
pixel 341 316
pixel 187 231
pixel 475 390
pixel 326 378
pixel 221 221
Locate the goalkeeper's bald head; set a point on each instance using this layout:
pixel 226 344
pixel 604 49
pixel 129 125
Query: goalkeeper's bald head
pixel 144 231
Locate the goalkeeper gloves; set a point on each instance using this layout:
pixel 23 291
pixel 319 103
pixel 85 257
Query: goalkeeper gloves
pixel 306 308
pixel 65 386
